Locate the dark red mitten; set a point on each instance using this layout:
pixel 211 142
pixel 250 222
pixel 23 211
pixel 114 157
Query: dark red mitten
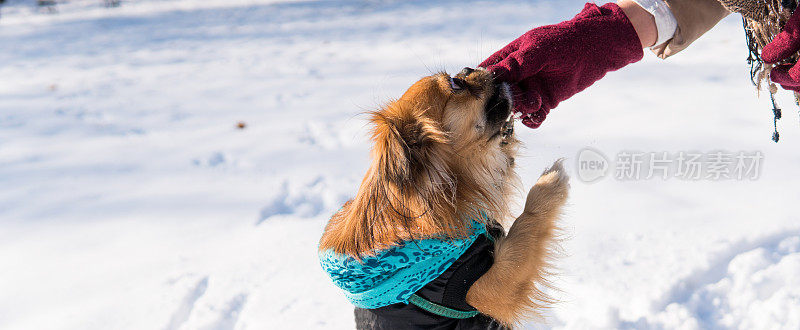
pixel 783 46
pixel 551 63
pixel 784 75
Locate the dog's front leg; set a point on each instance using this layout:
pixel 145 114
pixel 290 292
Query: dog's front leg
pixel 508 290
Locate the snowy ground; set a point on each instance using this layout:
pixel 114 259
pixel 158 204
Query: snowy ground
pixel 130 200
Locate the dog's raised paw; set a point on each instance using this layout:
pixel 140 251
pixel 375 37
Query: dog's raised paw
pixel 550 191
pixel 555 175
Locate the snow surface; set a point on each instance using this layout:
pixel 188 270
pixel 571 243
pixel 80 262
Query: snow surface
pixel 130 200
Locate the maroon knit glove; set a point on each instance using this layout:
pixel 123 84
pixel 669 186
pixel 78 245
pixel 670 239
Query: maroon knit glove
pixel 551 63
pixel 783 46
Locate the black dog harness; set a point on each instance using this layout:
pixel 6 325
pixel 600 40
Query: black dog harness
pixel 442 303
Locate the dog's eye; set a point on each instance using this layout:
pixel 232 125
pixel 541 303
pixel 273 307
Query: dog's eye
pixel 457 84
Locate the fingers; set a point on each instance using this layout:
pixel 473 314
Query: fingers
pixel 794 73
pixel 783 46
pixel 519 65
pixel 527 103
pixel 785 43
pixel 786 75
pixel 504 62
pixel 501 54
pixel 527 99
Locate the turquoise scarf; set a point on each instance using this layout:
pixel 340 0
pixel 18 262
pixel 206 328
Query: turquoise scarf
pixel 394 274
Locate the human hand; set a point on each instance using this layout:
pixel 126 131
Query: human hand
pixel 551 63
pixel 783 46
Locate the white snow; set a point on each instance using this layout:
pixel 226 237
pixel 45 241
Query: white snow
pixel 130 200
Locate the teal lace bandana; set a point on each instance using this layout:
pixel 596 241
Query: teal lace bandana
pixel 394 274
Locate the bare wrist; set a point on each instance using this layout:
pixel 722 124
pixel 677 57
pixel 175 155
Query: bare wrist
pixel 643 22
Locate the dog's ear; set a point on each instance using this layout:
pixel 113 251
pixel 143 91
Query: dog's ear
pixel 409 147
pixel 408 184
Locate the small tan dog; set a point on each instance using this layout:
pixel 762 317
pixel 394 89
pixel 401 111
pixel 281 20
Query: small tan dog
pixel 443 153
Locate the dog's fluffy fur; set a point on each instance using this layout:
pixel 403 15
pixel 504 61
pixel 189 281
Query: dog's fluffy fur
pixel 440 156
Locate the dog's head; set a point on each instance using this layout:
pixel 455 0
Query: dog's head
pixel 443 152
pixel 442 122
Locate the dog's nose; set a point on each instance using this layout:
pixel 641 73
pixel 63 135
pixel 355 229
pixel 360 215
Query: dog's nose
pixel 466 71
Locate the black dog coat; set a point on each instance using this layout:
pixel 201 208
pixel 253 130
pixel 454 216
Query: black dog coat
pixel 448 290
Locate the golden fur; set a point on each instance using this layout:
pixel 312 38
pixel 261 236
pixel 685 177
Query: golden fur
pixel 438 159
pixel 509 291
